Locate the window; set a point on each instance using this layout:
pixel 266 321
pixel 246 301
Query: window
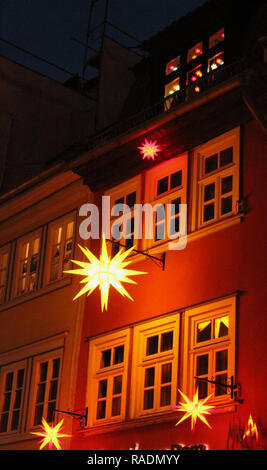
pixel 11 398
pixel 129 195
pixel 194 75
pixel 46 384
pixel 107 382
pixel 172 87
pixel 165 190
pixel 155 366
pixel 216 61
pixel 60 247
pixel 209 349
pixel 172 66
pixel 216 38
pixel 194 52
pixel 27 264
pixel 218 178
pixel 4 261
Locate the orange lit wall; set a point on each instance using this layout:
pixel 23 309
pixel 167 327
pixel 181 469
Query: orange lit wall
pixel 219 264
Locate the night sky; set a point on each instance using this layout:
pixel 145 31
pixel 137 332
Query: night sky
pixel 45 27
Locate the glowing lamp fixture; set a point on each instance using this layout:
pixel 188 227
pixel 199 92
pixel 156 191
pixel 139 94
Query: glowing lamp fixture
pixel 194 409
pixel 104 272
pixel 149 149
pixel 50 435
pixel 251 429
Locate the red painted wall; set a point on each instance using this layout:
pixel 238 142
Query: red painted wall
pixel 216 265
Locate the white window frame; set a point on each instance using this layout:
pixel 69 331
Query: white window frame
pixel 121 191
pixel 200 180
pixel 141 361
pixel 96 374
pixel 191 349
pixel 4 250
pixel 14 367
pixel 62 223
pixel 151 180
pixel 29 238
pixel 45 357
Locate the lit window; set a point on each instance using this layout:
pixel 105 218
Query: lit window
pixel 218 181
pixel 108 377
pixel 4 260
pixel 122 224
pixel 195 51
pixel 12 388
pixel 172 66
pixel 27 264
pixel 216 38
pixel 216 61
pixel 155 363
pixel 209 349
pixel 194 75
pixel 166 191
pixel 60 247
pixel 47 374
pixel 172 87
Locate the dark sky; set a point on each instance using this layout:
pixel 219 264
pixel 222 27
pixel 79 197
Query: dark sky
pixel 45 27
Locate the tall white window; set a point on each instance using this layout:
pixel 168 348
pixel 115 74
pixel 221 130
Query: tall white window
pixel 27 264
pixel 155 366
pixel 209 349
pixel 60 247
pixel 216 179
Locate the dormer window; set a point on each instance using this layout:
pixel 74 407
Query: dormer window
pixel 216 61
pixel 172 66
pixel 172 87
pixel 216 38
pixel 195 51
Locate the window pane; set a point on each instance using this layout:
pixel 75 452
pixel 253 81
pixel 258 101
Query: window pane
pixel 149 377
pixel 118 354
pixel 209 192
pixel 15 420
pixel 221 326
pixel 172 87
pixel 38 414
pixel 17 400
pixel 53 390
pixel 160 231
pixel 166 341
pixel 7 398
pixel 56 363
pixel 119 201
pixel 40 393
pixel 203 331
pixel 219 389
pixel 116 406
pixel 9 381
pixel 175 203
pixel 152 345
pixel 3 423
pixel 106 358
pixel 227 184
pixel 162 185
pixel 43 371
pixel 165 395
pixel 216 61
pixel 216 38
pixel 102 388
pixel 166 373
pixel 173 65
pixel 20 378
pixel 194 52
pixel 202 364
pixel 211 163
pixel 117 385
pixel 202 388
pixel 148 399
pixel 101 410
pixel 131 199
pixel 50 411
pixel 208 212
pixel 176 179
pixel 226 156
pixel 221 360
pixel 226 205
pixel 194 75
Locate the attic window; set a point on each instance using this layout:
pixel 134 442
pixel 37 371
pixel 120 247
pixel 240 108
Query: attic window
pixel 216 38
pixel 172 66
pixel 195 51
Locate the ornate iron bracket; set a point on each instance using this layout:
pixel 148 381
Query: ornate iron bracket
pixel 233 387
pixel 82 417
pixel 160 260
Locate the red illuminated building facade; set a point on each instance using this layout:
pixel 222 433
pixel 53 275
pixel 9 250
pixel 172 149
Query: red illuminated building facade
pixel 198 316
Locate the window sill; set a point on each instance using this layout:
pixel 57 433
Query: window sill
pixel 38 293
pixel 168 417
